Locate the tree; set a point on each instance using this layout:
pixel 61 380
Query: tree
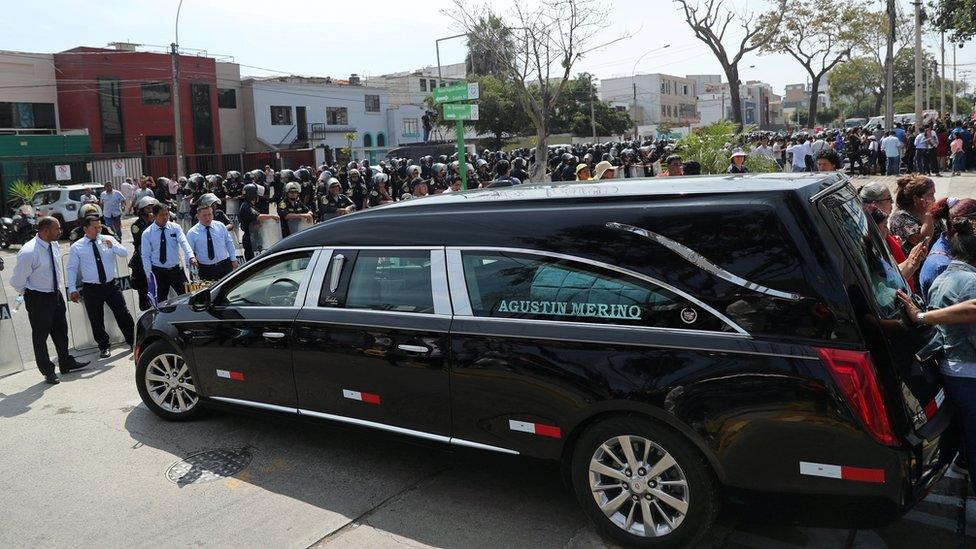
pixel 818 36
pixel 547 38
pixel 499 111
pixel 873 47
pixel 853 81
pixel 956 17
pixel 572 112
pixel 710 23
pixel 483 55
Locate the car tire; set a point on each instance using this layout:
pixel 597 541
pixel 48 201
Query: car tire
pixel 671 477
pixel 166 384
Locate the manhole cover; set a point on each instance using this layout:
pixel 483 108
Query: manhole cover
pixel 209 466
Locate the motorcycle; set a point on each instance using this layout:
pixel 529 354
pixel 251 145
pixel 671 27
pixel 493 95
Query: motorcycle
pixel 18 229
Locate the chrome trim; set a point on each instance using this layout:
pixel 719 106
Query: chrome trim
pixel 316 280
pixel 253 404
pixel 273 335
pixel 700 261
pixel 413 348
pixel 615 327
pixel 455 331
pixel 480 446
pixel 459 288
pixel 374 425
pixel 438 282
pixel 609 267
pixel 374 325
pixel 338 262
pixel 844 180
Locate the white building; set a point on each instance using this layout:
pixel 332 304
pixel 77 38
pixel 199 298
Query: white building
pixel 230 110
pixel 28 93
pixel 414 87
pixel 300 112
pixel 652 99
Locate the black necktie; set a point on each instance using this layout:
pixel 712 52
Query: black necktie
pixel 54 267
pixel 210 248
pixel 98 263
pixel 162 245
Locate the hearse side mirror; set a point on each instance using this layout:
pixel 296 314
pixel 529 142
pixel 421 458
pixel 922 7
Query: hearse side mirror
pixel 200 301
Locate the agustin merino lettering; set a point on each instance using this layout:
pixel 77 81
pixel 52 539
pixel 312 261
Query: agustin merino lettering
pixel 562 308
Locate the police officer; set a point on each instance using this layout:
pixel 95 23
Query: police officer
pixel 93 257
pixel 37 277
pixel 88 210
pixel 292 210
pixel 139 283
pixel 335 203
pixel 378 193
pixel 211 242
pixel 250 218
pixel 161 245
pixel 357 189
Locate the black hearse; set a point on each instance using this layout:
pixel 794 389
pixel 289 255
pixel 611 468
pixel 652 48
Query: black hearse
pixel 664 339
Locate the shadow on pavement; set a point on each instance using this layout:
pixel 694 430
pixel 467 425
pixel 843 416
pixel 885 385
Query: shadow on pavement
pixel 426 492
pixel 19 403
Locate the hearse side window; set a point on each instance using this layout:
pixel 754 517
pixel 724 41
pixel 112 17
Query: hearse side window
pixel 274 283
pixel 397 281
pixel 538 287
pixel 870 252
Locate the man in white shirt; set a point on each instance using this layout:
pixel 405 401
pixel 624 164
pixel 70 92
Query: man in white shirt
pixel 212 245
pixel 921 153
pixel 764 149
pixel 112 208
pixel 93 257
pixel 892 148
pixel 88 197
pixel 818 145
pixel 799 151
pixel 38 278
pixel 128 192
pixel 162 242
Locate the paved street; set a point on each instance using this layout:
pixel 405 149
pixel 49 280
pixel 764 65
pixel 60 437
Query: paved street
pixel 84 463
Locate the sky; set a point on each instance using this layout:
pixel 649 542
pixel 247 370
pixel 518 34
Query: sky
pixel 328 38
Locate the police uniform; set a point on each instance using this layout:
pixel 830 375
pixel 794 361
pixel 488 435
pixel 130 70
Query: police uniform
pixel 358 193
pixel 248 218
pixel 79 232
pixel 138 276
pixel 286 207
pixel 332 204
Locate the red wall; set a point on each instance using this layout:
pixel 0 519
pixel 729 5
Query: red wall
pixel 79 69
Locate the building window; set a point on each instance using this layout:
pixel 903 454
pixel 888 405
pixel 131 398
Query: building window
pixel 226 99
pixel 372 103
pixel 155 93
pixel 411 126
pixel 367 140
pixel 336 116
pixel 664 111
pixel 27 115
pixel 110 109
pixel 423 84
pixel 380 140
pixel 280 116
pixel 160 146
pixel 202 111
pixel 443 83
pixel 685 89
pixel 664 87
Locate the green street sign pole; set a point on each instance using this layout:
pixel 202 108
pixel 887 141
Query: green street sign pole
pixel 462 162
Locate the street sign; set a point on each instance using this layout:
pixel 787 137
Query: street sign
pixel 460 111
pixel 118 168
pixel 62 172
pixel 457 92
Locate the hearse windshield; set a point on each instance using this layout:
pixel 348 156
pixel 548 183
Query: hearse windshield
pixel 868 249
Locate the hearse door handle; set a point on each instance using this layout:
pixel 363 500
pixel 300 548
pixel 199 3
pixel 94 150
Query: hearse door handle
pixel 418 349
pixel 273 335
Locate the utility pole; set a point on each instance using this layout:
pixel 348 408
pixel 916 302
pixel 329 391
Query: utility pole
pixel 177 122
pixel 592 111
pixel 889 69
pixel 942 111
pixel 955 112
pixel 636 122
pixel 918 64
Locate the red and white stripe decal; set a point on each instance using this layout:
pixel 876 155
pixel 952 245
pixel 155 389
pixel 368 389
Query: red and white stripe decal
pixel 535 428
pixel 228 374
pixel 932 407
pixel 368 398
pixel 842 472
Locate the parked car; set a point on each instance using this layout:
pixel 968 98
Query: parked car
pixel 63 202
pixel 663 342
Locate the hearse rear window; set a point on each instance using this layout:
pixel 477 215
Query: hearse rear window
pixel 538 287
pixel 391 281
pixel 871 255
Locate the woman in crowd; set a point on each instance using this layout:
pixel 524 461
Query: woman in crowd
pixel 958 154
pixel 953 295
pixel 908 266
pixel 737 162
pixel 940 254
pixel 912 222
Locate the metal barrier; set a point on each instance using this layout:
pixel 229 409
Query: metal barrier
pixel 11 360
pixel 184 214
pixel 82 337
